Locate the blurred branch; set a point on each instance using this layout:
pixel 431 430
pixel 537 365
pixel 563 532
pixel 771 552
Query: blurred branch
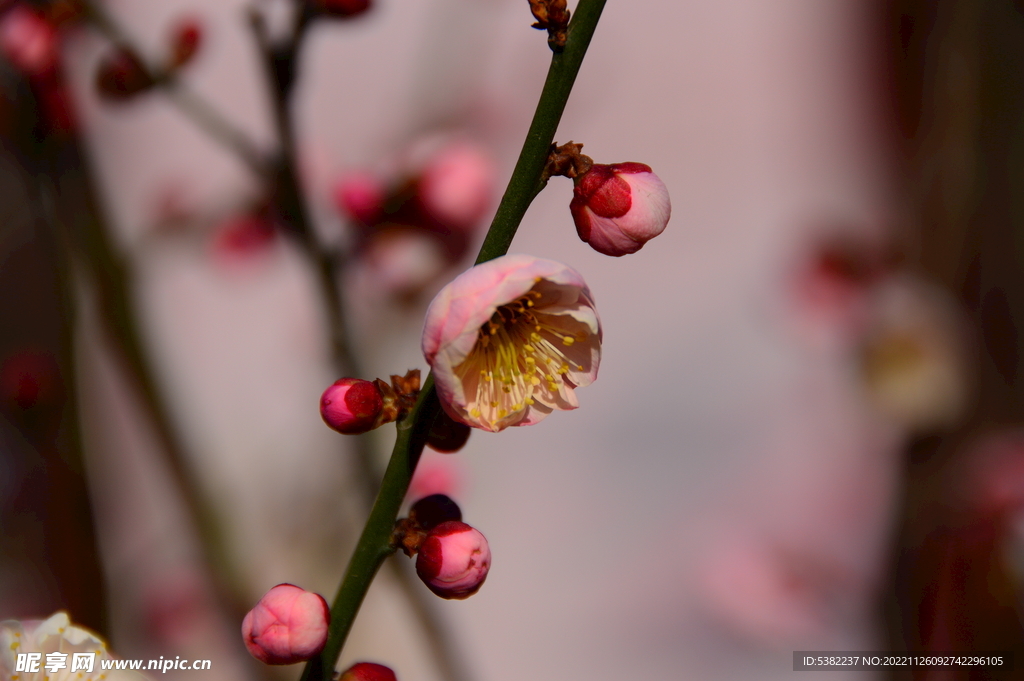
pixel 374 545
pixel 112 278
pixel 188 102
pixel 281 63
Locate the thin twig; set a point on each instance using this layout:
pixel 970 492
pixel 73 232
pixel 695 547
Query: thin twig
pixel 201 112
pixel 374 545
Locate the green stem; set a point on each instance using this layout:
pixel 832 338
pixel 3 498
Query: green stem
pixel 375 542
pixel 374 545
pixel 526 181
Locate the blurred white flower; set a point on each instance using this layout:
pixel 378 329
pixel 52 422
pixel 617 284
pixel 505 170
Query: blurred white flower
pixel 55 635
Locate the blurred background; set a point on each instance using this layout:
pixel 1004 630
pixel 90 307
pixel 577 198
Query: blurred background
pixel 806 432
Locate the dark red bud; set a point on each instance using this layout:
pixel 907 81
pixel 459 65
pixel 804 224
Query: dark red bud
pixel 429 512
pixel 122 76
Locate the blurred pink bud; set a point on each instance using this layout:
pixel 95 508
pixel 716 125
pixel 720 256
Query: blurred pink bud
pixel 453 560
pixel 351 406
pixel 185 41
pixel 341 8
pixel 288 625
pixel 242 236
pixel 510 340
pixel 368 671
pixel 618 208
pixel 435 474
pixel 833 285
pixel 360 196
pixel 28 40
pixel 457 185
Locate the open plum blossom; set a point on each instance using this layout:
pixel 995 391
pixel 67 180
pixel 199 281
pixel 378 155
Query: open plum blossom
pixel 618 208
pixel 56 635
pixel 509 340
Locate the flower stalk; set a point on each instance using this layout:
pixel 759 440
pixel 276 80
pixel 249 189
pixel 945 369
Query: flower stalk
pixel 527 179
pixel 375 543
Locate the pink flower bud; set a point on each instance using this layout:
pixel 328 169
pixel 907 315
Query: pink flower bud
pixel 457 185
pixel 288 625
pixel 28 40
pixel 618 208
pixel 368 671
pixel 360 196
pixel 243 236
pixel 453 560
pixel 435 474
pixel 351 406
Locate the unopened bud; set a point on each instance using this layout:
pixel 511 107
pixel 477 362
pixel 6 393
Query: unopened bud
pixel 28 40
pixel 446 434
pixel 453 560
pixel 185 42
pixel 341 8
pixel 429 512
pixel 352 406
pixel 368 671
pixel 288 625
pixel 618 208
pixel 360 196
pixel 121 76
pixel 457 185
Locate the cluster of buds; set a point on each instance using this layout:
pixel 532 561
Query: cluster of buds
pixel 288 625
pixel 353 405
pixel 452 558
pixel 122 75
pixel 617 208
pixel 409 231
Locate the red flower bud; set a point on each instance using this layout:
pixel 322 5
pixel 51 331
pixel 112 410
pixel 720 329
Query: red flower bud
pixel 288 625
pixel 453 560
pixel 28 40
pixel 368 671
pixel 185 42
pixel 351 406
pixel 618 208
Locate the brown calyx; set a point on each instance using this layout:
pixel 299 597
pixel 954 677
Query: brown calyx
pixel 400 396
pixel 567 161
pixel 552 15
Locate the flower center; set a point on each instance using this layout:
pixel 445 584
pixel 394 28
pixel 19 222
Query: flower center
pixel 518 359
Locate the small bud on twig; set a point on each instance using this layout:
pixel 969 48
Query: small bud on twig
pixel 552 15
